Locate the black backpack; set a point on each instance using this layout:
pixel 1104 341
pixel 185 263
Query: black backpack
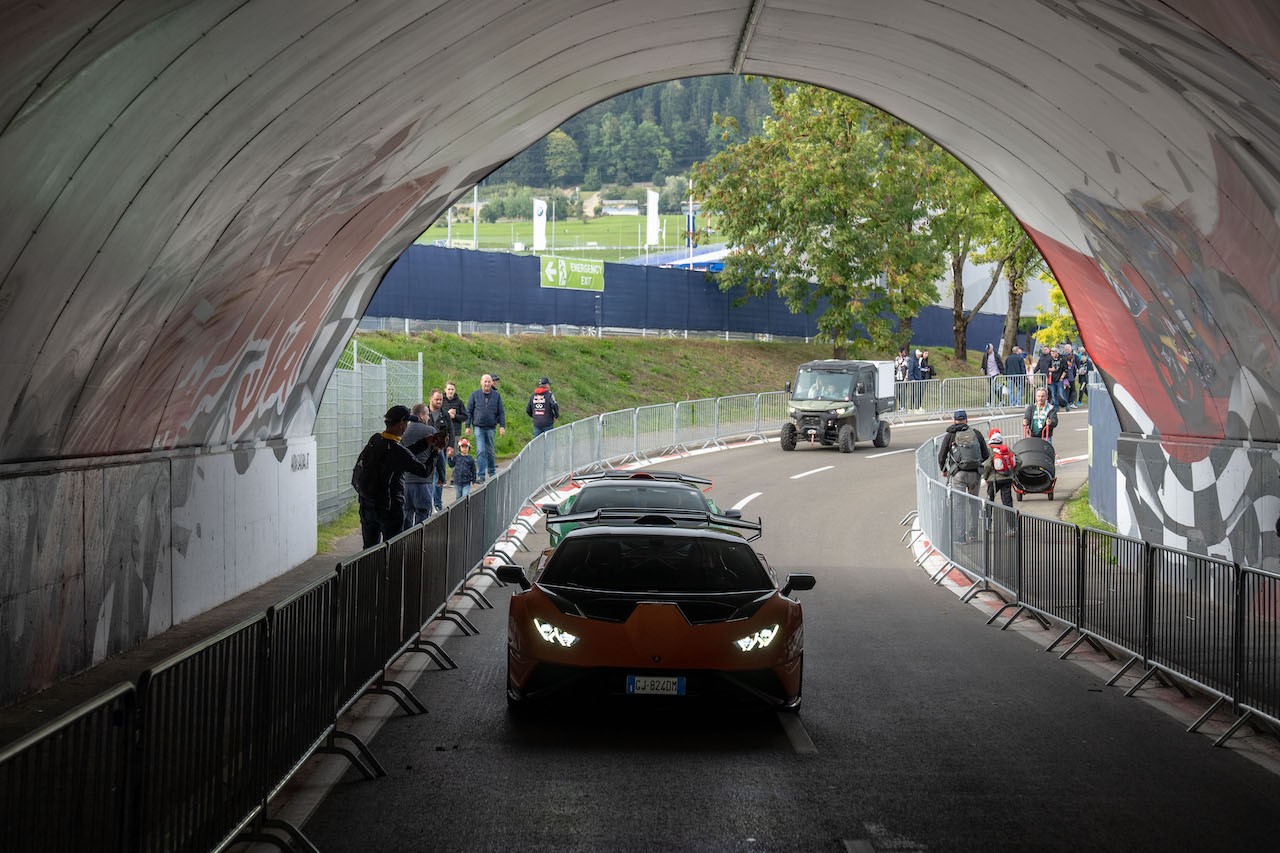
pixel 965 453
pixel 369 477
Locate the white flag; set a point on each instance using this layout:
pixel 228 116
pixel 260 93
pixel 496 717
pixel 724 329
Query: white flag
pixel 539 225
pixel 651 231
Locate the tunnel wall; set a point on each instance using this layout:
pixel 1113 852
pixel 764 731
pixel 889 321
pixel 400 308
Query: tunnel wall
pixel 98 555
pixel 1217 498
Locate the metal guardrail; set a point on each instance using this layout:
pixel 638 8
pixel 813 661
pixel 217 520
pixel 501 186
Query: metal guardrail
pixel 1186 619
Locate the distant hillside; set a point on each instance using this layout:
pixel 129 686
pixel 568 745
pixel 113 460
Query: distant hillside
pixel 644 135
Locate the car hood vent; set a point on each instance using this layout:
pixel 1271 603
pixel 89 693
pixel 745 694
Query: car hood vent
pixel 618 606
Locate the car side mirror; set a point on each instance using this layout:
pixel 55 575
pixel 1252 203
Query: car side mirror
pixel 788 386
pixel 549 509
pixel 508 573
pixel 796 582
pixel 861 389
pixel 732 513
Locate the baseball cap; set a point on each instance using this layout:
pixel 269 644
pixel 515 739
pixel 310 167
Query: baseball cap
pixel 494 377
pixel 544 381
pixel 961 415
pixel 396 414
pixel 463 443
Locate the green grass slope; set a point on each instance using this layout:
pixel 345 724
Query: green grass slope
pixel 590 376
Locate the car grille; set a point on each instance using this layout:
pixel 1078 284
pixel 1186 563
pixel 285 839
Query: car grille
pixel 811 422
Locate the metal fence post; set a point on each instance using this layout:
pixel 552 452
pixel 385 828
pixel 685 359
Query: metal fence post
pixel 759 429
pixel 1079 578
pixel 1237 678
pixel 1148 608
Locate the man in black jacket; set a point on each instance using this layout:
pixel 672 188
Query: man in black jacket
pixel 456 408
pixel 386 460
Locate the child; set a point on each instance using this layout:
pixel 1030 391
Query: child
pixel 464 468
pixel 997 470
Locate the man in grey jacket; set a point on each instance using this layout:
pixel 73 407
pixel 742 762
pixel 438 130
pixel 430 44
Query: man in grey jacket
pixel 419 491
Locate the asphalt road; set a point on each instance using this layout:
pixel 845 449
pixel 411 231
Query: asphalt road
pixel 922 727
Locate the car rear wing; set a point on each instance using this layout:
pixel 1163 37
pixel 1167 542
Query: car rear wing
pixel 666 476
pixel 667 517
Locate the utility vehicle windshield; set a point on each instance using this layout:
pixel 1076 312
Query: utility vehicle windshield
pixel 822 385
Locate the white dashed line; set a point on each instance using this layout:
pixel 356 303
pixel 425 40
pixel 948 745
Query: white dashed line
pixel 1082 429
pixel 892 452
pixel 748 499
pixel 814 471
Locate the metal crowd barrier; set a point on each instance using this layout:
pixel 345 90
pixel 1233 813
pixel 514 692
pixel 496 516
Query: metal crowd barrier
pixel 189 758
pixel 66 785
pixel 1184 619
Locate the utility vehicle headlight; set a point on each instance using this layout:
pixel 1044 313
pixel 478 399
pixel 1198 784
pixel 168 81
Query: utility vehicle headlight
pixel 554 635
pixel 791 410
pixel 758 640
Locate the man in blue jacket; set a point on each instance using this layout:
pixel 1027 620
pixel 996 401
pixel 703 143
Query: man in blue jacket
pixel 485 415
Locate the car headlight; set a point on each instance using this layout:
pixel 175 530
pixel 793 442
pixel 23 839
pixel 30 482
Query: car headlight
pixel 791 410
pixel 844 411
pixel 554 635
pixel 758 640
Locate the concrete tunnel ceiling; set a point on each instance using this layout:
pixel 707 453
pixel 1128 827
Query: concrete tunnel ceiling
pixel 201 198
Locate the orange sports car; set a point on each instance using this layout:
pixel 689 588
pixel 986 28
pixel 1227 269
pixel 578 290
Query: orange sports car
pixel 647 608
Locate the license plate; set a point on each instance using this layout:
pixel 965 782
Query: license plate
pixel 655 685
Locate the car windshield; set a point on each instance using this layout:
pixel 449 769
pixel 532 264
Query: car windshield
pixel 656 563
pixel 822 385
pixel 639 496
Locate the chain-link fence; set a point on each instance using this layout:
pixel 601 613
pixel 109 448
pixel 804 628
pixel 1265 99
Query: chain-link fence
pixel 363 386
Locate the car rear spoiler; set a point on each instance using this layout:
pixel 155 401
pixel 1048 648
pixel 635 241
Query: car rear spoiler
pixel 667 517
pixel 668 476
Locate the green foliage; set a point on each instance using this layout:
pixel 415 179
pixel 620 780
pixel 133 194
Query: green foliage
pixel 657 130
pixel 835 200
pixel 1057 325
pixel 561 159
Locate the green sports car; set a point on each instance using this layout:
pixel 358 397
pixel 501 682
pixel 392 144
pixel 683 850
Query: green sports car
pixel 656 490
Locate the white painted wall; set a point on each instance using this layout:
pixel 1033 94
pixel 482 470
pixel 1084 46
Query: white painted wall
pixel 99 554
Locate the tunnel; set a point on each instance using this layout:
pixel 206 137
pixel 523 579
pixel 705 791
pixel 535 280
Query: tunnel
pixel 201 198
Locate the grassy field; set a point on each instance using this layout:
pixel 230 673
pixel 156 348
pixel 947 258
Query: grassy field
pixel 615 236
pixel 591 376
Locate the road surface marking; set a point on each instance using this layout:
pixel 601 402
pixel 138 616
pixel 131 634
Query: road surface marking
pixel 891 452
pixel 814 471
pixel 800 740
pixel 748 499
pixel 1082 429
pixel 859 845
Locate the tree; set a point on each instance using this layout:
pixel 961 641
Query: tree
pixel 1056 323
pixel 1024 261
pixel 832 201
pixel 563 162
pixel 965 222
